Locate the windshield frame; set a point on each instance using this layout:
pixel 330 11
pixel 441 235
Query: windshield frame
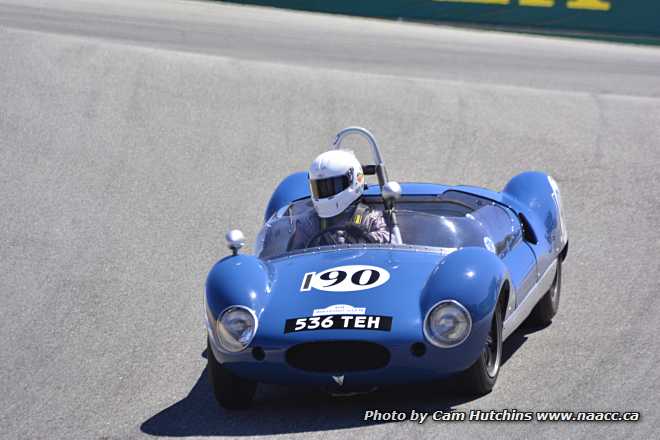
pixel 362 246
pixel 284 214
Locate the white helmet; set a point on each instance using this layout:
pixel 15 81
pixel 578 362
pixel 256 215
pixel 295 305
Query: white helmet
pixel 335 181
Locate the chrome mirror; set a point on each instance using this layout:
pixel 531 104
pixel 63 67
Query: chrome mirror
pixel 391 193
pixel 235 240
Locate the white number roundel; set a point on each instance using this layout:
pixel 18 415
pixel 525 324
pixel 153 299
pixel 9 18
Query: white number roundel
pixel 345 279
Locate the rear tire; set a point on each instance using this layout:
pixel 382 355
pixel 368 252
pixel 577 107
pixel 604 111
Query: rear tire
pixel 480 378
pixel 231 391
pixel 547 307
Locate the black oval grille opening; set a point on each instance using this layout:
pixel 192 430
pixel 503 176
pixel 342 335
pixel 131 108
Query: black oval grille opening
pixel 337 356
pixel 418 349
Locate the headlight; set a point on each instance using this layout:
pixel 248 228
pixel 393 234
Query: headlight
pixel 235 328
pixel 447 324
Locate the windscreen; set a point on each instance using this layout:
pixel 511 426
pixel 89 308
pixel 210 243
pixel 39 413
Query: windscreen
pixel 288 229
pixel 422 229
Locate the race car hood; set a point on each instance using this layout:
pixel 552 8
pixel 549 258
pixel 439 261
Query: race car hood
pixel 378 282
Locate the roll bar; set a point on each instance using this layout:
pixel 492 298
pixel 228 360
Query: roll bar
pixel 381 171
pixel 391 191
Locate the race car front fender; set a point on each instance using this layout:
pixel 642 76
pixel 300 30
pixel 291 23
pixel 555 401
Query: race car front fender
pixel 471 276
pixel 238 280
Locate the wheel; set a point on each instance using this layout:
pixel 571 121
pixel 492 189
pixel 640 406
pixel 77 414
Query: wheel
pixel 547 307
pixel 480 378
pixel 231 391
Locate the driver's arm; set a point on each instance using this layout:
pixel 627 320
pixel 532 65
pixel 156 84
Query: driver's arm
pixel 377 227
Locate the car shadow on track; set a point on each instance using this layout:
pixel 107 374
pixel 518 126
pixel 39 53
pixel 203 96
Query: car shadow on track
pixel 518 338
pixel 280 410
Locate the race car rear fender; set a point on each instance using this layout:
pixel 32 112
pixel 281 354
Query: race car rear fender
pixel 536 199
pixel 293 187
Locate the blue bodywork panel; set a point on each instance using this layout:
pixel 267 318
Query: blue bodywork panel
pixel 278 289
pixel 294 187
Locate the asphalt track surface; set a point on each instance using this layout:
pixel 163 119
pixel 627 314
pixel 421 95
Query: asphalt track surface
pixel 134 134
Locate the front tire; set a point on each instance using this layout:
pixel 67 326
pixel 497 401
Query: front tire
pixel 231 391
pixel 480 378
pixel 547 307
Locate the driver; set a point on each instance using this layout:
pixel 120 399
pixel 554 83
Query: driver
pixel 336 183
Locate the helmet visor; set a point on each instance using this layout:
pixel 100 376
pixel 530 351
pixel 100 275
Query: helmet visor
pixel 324 188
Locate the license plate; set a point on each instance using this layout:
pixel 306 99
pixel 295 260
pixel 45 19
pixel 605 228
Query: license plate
pixel 338 322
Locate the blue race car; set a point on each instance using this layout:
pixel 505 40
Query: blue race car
pixel 466 268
